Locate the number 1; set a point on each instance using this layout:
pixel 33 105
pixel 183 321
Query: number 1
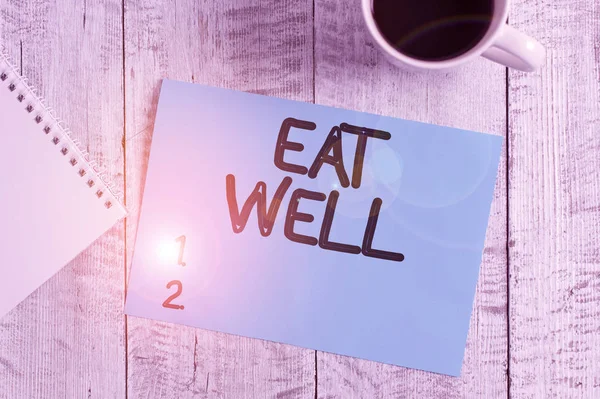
pixel 181 241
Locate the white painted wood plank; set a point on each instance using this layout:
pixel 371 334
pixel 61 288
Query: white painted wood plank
pixel 351 73
pixel 67 339
pixel 258 46
pixel 554 205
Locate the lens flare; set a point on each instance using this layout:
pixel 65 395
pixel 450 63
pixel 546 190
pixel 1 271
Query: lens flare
pixel 167 251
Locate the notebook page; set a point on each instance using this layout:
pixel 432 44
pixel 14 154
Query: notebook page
pixel 48 212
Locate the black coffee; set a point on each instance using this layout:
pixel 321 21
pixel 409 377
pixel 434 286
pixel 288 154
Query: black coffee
pixel 433 30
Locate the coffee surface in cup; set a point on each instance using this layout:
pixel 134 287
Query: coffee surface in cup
pixel 433 30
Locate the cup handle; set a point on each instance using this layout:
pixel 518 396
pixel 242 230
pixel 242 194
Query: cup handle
pixel 516 50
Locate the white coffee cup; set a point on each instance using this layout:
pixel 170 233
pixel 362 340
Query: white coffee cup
pixel 501 43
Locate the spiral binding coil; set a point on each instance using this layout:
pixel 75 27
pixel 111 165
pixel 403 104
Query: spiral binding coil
pixel 51 126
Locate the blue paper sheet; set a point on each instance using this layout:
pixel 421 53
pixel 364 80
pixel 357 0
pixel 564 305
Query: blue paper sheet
pixel 385 268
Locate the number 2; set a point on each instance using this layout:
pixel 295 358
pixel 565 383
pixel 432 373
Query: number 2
pixel 181 241
pixel 167 303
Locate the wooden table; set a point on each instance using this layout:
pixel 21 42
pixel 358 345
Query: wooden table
pixel 535 330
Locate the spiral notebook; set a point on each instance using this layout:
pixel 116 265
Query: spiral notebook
pixel 54 203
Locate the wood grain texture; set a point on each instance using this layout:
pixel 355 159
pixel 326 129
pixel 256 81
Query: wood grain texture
pixel 258 46
pixel 67 339
pixel 352 73
pixel 554 205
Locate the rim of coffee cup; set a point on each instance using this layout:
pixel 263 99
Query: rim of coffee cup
pixel 498 20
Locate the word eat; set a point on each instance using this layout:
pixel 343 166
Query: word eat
pixel 330 153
